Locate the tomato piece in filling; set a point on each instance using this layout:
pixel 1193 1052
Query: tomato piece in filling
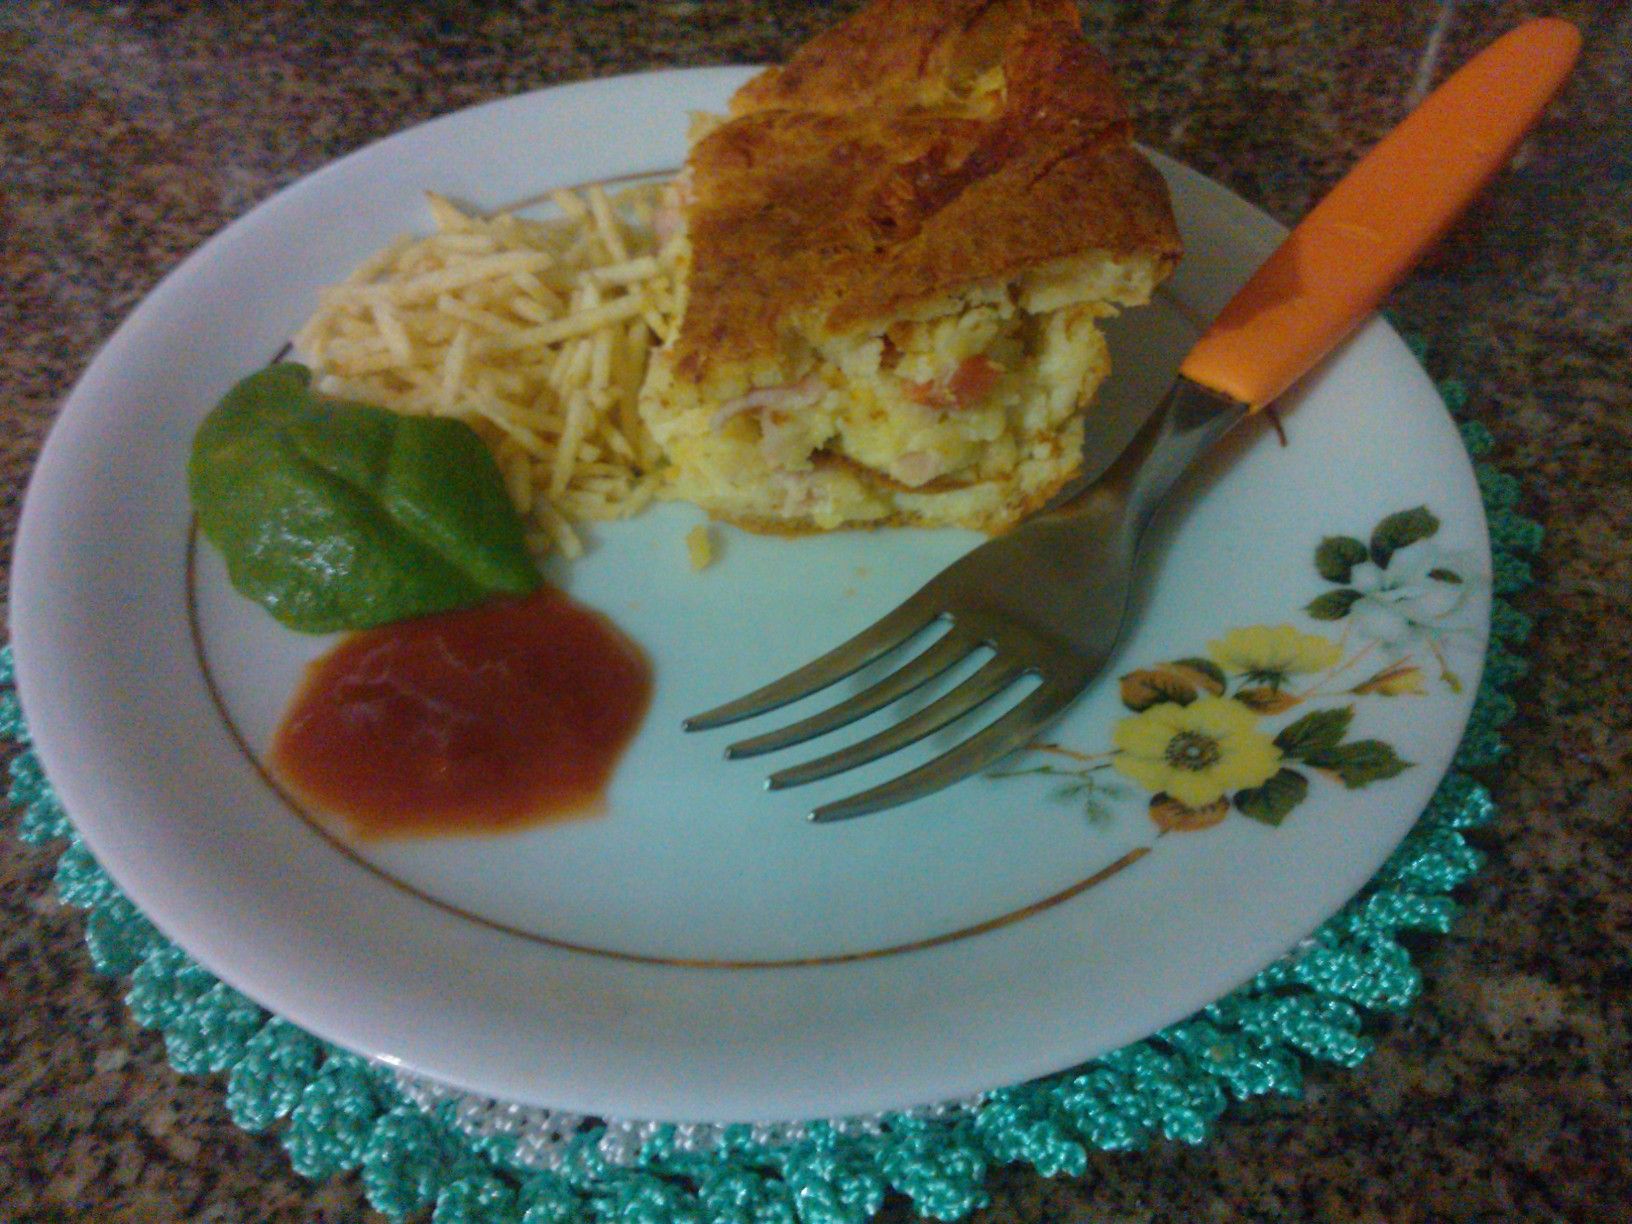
pixel 968 384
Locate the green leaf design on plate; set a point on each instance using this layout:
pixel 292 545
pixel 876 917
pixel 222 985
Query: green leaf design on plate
pixel 1336 557
pixel 1398 530
pixel 1270 803
pixel 1360 763
pixel 1334 605
pixel 1314 733
pixel 1080 783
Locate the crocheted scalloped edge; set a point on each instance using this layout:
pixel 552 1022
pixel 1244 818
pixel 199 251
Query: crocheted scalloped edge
pixel 334 1111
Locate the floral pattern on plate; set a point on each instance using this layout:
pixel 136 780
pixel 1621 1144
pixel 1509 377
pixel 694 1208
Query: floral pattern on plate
pixel 1266 713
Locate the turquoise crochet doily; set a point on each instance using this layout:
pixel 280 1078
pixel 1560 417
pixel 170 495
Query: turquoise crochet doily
pixel 335 1111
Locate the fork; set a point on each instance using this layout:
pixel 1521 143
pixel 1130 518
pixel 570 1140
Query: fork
pixel 1049 599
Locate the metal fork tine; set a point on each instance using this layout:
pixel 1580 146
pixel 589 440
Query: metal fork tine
pixel 985 747
pixel 993 677
pixel 941 654
pixel 879 638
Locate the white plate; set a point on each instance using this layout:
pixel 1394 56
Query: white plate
pixel 701 952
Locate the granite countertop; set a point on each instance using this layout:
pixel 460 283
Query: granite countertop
pixel 131 132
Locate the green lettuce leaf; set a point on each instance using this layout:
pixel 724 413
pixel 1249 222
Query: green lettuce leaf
pixel 335 515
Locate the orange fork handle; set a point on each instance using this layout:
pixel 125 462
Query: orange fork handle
pixel 1344 257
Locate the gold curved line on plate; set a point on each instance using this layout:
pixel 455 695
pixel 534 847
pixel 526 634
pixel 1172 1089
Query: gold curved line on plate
pixel 319 827
pixel 685 962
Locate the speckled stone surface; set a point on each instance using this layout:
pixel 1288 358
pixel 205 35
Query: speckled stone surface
pixel 131 132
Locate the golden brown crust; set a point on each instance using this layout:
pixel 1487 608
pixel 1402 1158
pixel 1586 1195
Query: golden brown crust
pixel 877 172
pixel 900 54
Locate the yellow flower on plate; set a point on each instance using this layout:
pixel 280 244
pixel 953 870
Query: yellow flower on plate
pixel 1195 753
pixel 1269 654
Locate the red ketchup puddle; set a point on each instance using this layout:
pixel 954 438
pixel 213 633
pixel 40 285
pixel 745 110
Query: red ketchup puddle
pixel 478 721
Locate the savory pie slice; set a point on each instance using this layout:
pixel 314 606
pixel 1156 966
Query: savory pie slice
pixel 894 252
